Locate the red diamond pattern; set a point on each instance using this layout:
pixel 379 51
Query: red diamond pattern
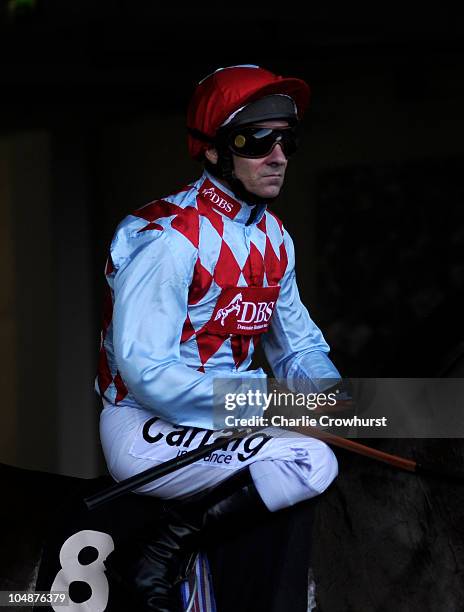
pixel 208 344
pixel 212 215
pixel 159 208
pixel 227 270
pixel 262 224
pixel 272 264
pixel 201 283
pixel 253 270
pixel 240 347
pixel 151 226
pixel 227 273
pixel 187 330
pixel 187 224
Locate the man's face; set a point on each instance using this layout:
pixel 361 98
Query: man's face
pixel 263 176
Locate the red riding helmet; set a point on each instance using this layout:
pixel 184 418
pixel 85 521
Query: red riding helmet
pixel 221 93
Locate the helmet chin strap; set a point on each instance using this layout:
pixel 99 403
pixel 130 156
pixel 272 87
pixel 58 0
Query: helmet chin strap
pixel 224 169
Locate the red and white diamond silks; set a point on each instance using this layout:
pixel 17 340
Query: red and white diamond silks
pixel 191 289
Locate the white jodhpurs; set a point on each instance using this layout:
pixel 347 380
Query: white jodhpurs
pixel 286 467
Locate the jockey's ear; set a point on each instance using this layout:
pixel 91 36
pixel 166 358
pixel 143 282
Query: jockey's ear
pixel 212 155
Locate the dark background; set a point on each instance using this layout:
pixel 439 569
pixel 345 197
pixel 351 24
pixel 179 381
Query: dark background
pixel 92 126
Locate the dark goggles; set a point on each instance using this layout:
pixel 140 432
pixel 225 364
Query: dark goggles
pixel 254 141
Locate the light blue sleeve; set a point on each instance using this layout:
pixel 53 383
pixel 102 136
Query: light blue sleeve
pixel 294 346
pixel 150 306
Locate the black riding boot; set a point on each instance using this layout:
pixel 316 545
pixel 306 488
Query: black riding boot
pixel 153 566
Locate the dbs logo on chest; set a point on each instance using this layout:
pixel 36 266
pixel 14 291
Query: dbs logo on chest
pixel 219 200
pixel 216 199
pixel 243 310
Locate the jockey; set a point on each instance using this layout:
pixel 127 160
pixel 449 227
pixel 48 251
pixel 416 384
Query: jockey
pixel 194 281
